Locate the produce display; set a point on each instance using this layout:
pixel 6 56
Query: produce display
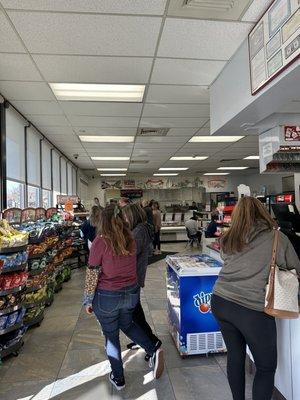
pixel 10 237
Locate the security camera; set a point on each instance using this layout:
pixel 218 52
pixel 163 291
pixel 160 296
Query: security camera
pixel 76 156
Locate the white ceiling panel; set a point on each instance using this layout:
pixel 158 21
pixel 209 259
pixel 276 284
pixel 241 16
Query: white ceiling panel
pixel 186 132
pixel 18 67
pixel 101 109
pixel 87 69
pixel 26 90
pixel 176 110
pixel 105 131
pixel 163 147
pixel 103 6
pixel 104 122
pixel 148 122
pixel 186 72
pixel 163 139
pixel 90 147
pixel 63 138
pixel 9 41
pixel 204 131
pixel 48 120
pixel 38 107
pixel 111 153
pixel 292 108
pixel 57 130
pixel 256 9
pixel 177 94
pixel 86 33
pixel 211 40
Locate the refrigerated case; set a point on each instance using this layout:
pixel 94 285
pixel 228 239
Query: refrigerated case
pixel 190 281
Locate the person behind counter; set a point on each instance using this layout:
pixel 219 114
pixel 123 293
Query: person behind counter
pixel 90 227
pixel 238 299
pixel 211 229
pixel 80 206
pixel 193 229
pixel 157 227
pixel 112 292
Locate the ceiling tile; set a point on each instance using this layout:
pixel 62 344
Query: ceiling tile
pixel 256 10
pixel 177 94
pixel 48 120
pixel 148 122
pixel 101 109
pixel 9 41
pixel 104 122
pixel 176 110
pixel 38 107
pixel 88 34
pixel 94 69
pixel 57 130
pixel 18 67
pixel 163 139
pixel 210 40
pixel 104 6
pixel 186 72
pixel 13 90
pixel 186 132
pixel 104 131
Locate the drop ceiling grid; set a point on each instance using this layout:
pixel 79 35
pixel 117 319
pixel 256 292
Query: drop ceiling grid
pixel 141 63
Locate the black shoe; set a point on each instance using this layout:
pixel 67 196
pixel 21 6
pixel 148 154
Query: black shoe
pixel 119 384
pixel 147 357
pixel 133 346
pixel 157 361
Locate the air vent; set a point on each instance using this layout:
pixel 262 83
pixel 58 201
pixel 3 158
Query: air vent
pixel 229 159
pixel 139 161
pixel 217 5
pixel 153 131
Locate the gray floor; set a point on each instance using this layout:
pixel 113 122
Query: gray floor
pixel 64 358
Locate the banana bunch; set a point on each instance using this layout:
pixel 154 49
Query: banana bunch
pixel 10 237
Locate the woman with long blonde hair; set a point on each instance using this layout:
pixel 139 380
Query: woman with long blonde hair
pixel 239 295
pixel 112 292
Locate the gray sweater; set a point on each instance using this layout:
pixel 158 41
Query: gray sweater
pixel 142 238
pixel 244 275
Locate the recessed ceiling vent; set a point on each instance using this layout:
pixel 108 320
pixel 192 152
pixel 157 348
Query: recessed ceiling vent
pixel 153 131
pixel 139 161
pixel 217 5
pixel 229 159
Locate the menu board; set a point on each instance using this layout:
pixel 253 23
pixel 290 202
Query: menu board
pixel 274 42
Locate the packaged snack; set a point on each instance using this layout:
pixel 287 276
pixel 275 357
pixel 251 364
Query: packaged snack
pixel 3 321
pixel 21 314
pixel 12 319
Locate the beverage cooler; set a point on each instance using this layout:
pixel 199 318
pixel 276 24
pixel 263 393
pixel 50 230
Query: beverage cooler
pixel 190 281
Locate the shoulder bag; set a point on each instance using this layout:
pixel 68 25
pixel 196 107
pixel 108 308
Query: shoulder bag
pixel 282 289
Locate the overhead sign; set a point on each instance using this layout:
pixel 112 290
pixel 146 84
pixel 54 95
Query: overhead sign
pixel 292 133
pixel 274 42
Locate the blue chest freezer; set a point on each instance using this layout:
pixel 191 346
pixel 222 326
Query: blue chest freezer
pixel 190 281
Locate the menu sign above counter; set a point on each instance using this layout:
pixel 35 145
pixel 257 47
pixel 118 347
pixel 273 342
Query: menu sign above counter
pixel 274 42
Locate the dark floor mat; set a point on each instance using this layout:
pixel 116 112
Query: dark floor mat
pixel 161 256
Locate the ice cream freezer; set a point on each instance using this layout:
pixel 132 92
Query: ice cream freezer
pixel 190 281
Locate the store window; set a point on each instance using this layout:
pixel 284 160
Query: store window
pixel 46 198
pixel 33 157
pixel 63 175
pixel 15 194
pixel 46 166
pixel 33 196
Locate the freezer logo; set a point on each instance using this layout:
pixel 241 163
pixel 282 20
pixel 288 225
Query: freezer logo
pixel 202 302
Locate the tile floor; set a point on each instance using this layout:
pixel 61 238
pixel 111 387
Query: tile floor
pixel 64 358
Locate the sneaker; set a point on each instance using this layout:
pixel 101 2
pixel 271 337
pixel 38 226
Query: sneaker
pixel 157 363
pixel 133 346
pixel 119 384
pixel 157 346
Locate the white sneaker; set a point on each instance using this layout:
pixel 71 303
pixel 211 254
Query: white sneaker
pixel 157 363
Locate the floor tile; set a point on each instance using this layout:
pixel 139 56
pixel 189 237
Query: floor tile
pixel 42 342
pixel 157 304
pixel 196 383
pixel 21 390
pixel 86 339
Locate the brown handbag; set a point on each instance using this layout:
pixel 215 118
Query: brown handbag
pixel 282 289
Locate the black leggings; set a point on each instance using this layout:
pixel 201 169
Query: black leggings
pixel 140 319
pixel 241 326
pixel 156 241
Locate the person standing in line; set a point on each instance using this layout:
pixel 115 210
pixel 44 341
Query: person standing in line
pixel 157 227
pixel 90 226
pixel 96 202
pixel 143 235
pixel 148 211
pixel 112 292
pixel 238 299
pixel 123 201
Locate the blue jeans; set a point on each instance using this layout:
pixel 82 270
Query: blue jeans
pixel 114 310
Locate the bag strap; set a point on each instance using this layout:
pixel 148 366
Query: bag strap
pixel 274 248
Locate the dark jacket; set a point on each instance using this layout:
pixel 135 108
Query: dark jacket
pixel 142 236
pixel 89 231
pixel 211 229
pixel 149 214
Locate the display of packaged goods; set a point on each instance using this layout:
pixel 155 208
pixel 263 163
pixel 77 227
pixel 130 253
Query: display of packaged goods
pixel 35 297
pixel 10 237
pixel 12 338
pixel 13 280
pixel 192 263
pixel 9 320
pixel 11 300
pixel 10 261
pixel 33 314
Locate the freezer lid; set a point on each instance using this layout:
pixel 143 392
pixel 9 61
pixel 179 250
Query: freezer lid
pixel 194 265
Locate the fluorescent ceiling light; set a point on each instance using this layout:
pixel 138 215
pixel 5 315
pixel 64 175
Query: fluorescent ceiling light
pixel 173 169
pixel 96 158
pixel 98 92
pixel 113 174
pixel 252 158
pixel 107 139
pixel 216 173
pixel 187 158
pixel 165 174
pixel 231 168
pixel 112 169
pixel 215 139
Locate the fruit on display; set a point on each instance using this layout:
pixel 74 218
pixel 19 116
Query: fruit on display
pixel 10 237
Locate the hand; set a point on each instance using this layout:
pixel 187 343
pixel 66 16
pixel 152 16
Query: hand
pixel 89 310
